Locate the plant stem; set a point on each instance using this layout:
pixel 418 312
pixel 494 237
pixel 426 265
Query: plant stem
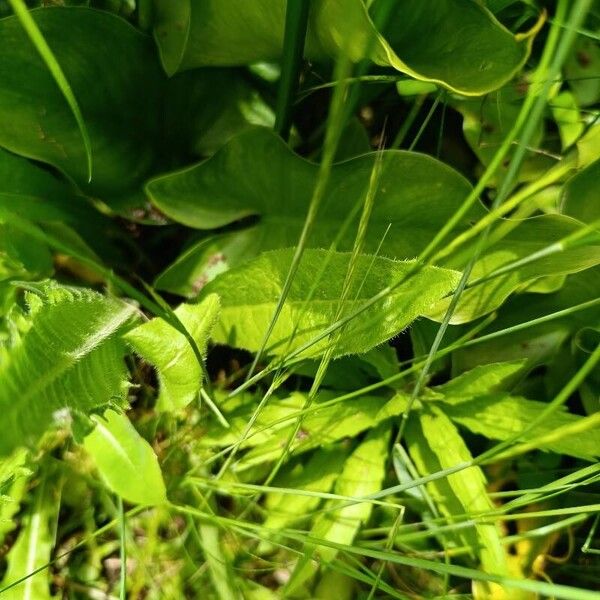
pixel 296 22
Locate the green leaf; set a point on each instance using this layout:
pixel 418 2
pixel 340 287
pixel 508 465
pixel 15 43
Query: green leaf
pixel 159 343
pixel 14 478
pixel 324 424
pixel 435 445
pixel 580 194
pixel 488 120
pixel 582 70
pixel 530 236
pixel 256 174
pixel 34 193
pixel 41 45
pixel 565 111
pixel 22 257
pixel 125 460
pixel 484 379
pixel 204 108
pixel 68 362
pixel 250 293
pixel 537 343
pixel 500 416
pixel 317 475
pixel 361 476
pixel 34 545
pixel 37 122
pixel 422 38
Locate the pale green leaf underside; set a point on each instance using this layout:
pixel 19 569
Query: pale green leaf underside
pixel 69 360
pixel 456 43
pixel 250 293
pixel 435 444
pixel 180 375
pixel 125 460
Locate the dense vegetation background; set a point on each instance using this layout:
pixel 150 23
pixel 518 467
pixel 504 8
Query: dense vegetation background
pixel 299 299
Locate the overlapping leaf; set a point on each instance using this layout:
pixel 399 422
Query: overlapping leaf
pixel 179 373
pixel 256 174
pixel 125 460
pixel 456 43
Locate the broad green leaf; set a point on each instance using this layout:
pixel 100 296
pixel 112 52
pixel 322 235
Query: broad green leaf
pixel 21 257
pixel 580 194
pixel 422 38
pixel 317 475
pixel 179 374
pixel 34 545
pixel 481 380
pixel 500 416
pixel 362 475
pixel 219 567
pixel 34 193
pixel 435 444
pixel 69 362
pixel 250 293
pixel 256 174
pixel 125 460
pixel 35 119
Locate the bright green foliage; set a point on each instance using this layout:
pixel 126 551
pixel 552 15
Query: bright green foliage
pixel 36 121
pixel 538 343
pixel 250 293
pixel 69 362
pixel 530 236
pixel 179 373
pixel 423 38
pixel 485 379
pixel 34 544
pixel 435 445
pixel 14 477
pixel 318 474
pixel 361 476
pixel 125 460
pixel 325 424
pixel 332 413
